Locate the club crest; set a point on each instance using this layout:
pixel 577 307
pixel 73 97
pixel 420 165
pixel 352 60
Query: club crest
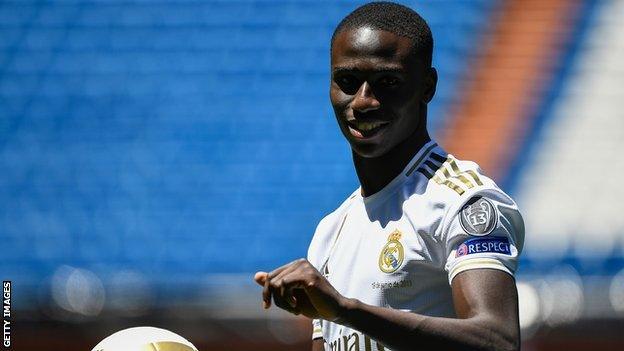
pixel 478 217
pixel 392 255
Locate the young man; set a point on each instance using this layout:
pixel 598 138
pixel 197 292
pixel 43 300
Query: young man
pixel 379 267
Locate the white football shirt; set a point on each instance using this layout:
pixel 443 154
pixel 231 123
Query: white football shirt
pixel 402 246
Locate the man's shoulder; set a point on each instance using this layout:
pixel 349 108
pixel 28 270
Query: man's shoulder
pixel 341 210
pixel 461 186
pixel 452 182
pixel 327 227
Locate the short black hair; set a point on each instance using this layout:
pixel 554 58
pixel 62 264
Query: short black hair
pixel 395 18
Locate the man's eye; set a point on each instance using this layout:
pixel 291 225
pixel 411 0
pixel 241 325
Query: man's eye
pixel 347 84
pixel 346 80
pixel 389 82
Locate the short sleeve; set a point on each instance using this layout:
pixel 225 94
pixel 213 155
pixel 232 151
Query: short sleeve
pixel 317 330
pixel 317 252
pixel 487 231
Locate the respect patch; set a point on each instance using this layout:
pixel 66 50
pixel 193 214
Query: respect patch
pixel 484 245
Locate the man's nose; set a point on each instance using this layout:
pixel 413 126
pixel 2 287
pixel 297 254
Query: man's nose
pixel 364 99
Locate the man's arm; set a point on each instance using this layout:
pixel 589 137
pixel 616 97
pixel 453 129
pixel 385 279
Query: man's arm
pixel 485 302
pixel 487 318
pixel 318 344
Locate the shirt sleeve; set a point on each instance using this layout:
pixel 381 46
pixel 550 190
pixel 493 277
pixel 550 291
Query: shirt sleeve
pixel 317 252
pixel 486 231
pixel 317 330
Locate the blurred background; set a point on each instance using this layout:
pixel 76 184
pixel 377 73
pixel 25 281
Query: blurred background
pixel 155 154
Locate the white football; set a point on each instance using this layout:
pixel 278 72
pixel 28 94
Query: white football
pixel 144 339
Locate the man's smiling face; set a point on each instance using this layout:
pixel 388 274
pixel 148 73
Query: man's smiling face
pixel 377 89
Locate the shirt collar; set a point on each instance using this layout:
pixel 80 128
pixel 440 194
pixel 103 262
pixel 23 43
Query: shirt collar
pixel 411 166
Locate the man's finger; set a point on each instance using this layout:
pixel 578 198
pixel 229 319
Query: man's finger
pixel 266 290
pixel 283 292
pixel 260 277
pixel 266 294
pixel 289 283
pixel 274 273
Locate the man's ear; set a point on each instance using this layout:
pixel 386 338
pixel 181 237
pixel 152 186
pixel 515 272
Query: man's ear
pixel 431 82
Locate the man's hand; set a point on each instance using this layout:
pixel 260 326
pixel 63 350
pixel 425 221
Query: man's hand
pixel 299 288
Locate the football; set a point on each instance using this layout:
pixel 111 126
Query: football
pixel 144 339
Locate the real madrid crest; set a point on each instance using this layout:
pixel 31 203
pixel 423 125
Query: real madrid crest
pixel 391 256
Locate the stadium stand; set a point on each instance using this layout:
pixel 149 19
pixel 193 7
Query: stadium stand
pixel 173 140
pixel 569 171
pixel 519 60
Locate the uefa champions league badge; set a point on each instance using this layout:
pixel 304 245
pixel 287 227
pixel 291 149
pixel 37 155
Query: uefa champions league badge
pixel 478 216
pixel 392 255
pixel 462 250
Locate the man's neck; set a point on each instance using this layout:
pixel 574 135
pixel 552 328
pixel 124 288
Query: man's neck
pixel 375 173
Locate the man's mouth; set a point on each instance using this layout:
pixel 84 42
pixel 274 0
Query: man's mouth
pixel 365 129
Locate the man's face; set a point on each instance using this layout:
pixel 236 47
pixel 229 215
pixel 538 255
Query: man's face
pixel 377 89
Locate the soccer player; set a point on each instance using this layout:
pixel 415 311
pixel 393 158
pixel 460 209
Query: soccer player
pixel 422 255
